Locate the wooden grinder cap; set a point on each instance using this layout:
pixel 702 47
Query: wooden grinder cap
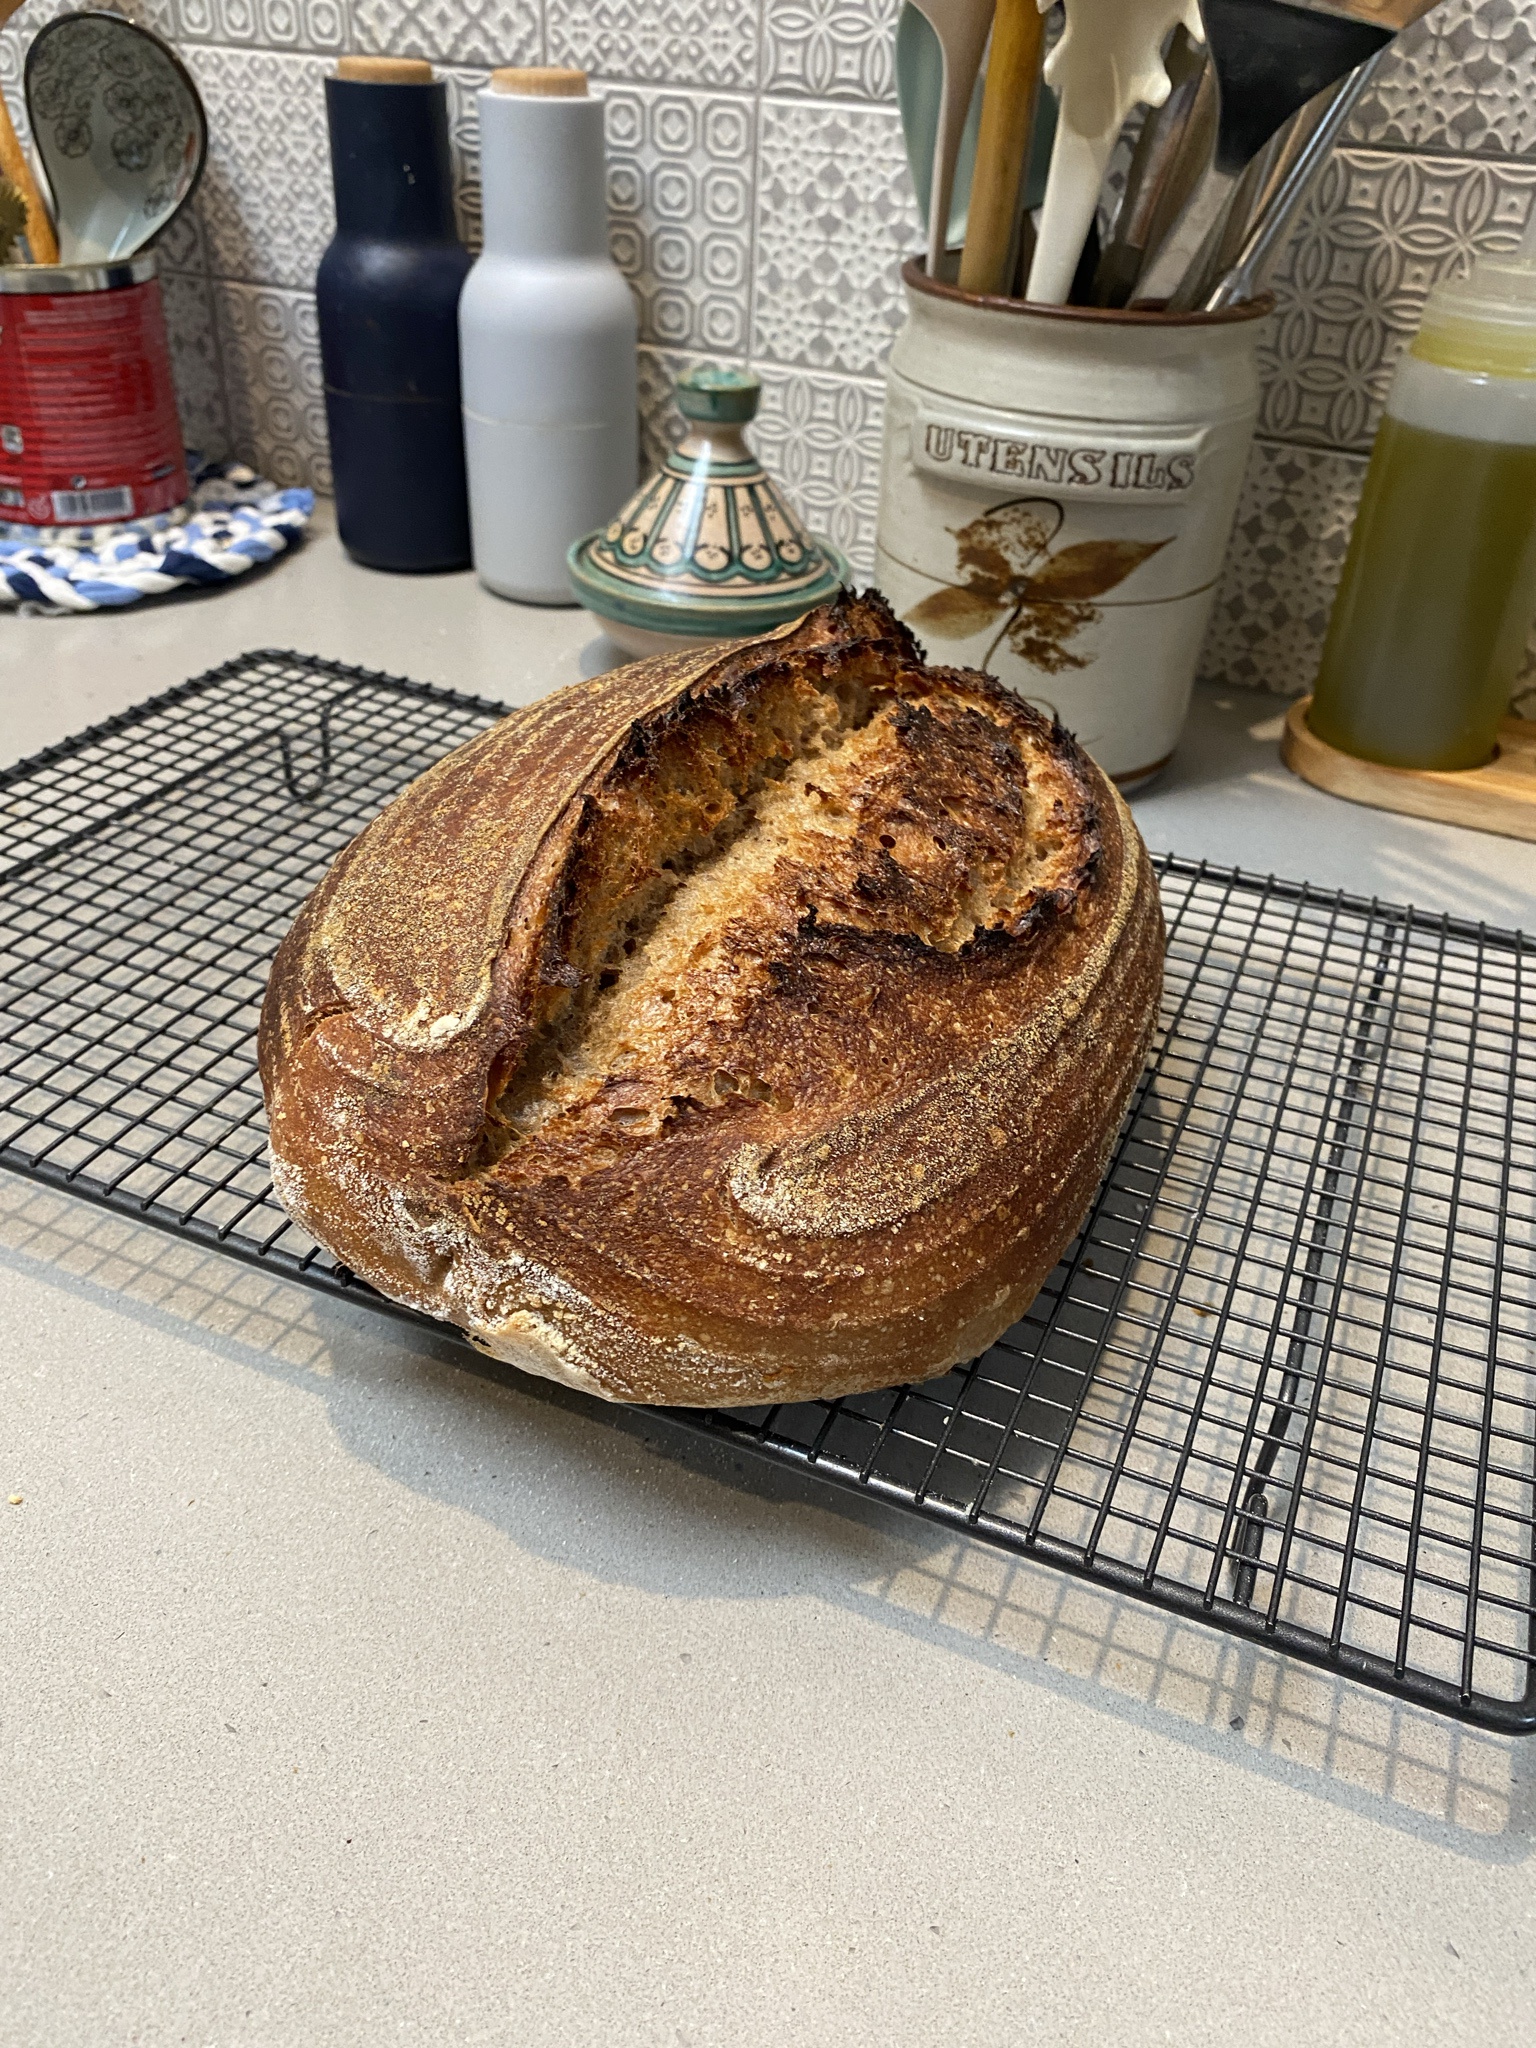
pixel 385 70
pixel 540 81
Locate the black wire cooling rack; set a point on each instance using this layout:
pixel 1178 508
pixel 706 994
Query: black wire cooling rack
pixel 1285 1379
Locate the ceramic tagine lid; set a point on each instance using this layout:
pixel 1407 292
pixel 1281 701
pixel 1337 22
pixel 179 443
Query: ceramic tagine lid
pixel 706 549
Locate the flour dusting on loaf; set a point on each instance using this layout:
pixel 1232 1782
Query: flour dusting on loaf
pixel 745 1026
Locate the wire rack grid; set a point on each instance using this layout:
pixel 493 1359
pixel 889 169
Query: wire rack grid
pixel 1284 1380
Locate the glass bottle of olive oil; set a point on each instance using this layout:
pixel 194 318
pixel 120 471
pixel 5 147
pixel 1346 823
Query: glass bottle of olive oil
pixel 1439 585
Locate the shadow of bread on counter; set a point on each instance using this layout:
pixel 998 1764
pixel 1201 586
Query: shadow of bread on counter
pixel 739 1026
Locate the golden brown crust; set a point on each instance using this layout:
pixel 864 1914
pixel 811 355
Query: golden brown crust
pixel 736 1027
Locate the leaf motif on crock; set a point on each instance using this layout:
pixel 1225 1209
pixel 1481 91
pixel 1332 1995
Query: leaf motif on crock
pixel 1007 571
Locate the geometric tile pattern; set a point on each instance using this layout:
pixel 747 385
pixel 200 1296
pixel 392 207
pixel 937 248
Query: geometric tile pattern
pixel 829 49
pixel 668 42
pixel 680 212
pixel 488 32
pixel 265 24
pixel 464 147
pixel 820 437
pixel 661 424
pixel 835 216
pixel 1350 290
pixel 265 198
pixel 196 362
pixel 1282 567
pixel 1461 82
pixel 759 203
pixel 270 344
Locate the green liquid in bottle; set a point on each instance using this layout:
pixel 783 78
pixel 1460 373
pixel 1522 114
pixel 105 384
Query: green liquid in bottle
pixel 1438 592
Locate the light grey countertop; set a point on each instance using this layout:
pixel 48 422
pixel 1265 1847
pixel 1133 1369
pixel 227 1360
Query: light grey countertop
pixel 346 1697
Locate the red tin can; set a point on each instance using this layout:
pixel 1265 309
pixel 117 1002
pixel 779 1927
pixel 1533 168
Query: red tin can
pixel 89 432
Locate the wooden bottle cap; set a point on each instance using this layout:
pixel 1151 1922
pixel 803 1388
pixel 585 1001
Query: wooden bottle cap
pixel 385 70
pixel 540 81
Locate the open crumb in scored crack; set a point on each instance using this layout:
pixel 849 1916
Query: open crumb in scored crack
pixel 741 1026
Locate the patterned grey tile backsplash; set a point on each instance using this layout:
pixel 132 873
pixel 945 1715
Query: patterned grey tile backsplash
pixel 820 436
pixel 192 329
pixel 1462 81
pixel 265 199
pixel 464 141
pixel 680 212
pixel 835 215
pixel 669 42
pixel 830 49
pixel 487 32
pixel 1383 227
pixel 265 24
pixel 270 344
pixel 661 424
pixel 760 204
pixel 1283 566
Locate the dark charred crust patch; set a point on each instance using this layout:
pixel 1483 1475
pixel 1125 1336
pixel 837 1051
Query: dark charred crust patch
pixel 844 1027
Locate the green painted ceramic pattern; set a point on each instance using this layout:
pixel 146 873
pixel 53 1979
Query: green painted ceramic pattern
pixel 707 546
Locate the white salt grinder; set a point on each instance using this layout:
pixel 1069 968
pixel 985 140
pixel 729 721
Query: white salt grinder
pixel 546 339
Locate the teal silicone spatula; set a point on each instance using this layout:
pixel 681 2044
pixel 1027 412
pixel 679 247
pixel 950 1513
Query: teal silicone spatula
pixel 919 83
pixel 960 27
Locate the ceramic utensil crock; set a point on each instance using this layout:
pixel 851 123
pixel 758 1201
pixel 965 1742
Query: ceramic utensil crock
pixel 1057 489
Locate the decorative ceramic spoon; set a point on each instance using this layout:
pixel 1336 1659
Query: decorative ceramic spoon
pixel 1108 61
pixel 120 129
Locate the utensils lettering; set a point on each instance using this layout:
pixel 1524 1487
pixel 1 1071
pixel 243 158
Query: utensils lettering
pixel 120 129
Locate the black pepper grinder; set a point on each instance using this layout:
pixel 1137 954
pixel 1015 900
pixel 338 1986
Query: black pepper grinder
pixel 387 294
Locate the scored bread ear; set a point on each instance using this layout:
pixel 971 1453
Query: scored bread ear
pixel 415 927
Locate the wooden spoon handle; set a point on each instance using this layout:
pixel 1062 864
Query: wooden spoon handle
pixel 13 165
pixel 1002 146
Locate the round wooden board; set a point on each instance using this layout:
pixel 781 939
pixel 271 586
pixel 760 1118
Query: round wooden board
pixel 1499 798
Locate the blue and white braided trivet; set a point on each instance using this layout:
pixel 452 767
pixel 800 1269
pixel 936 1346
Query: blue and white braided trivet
pixel 233 520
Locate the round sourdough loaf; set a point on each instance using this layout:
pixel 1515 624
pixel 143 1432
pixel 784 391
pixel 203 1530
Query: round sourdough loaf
pixel 741 1026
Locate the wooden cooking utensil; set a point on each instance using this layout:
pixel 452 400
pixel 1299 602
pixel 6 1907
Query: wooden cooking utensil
pixel 1002 149
pixel 41 240
pixel 1388 14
